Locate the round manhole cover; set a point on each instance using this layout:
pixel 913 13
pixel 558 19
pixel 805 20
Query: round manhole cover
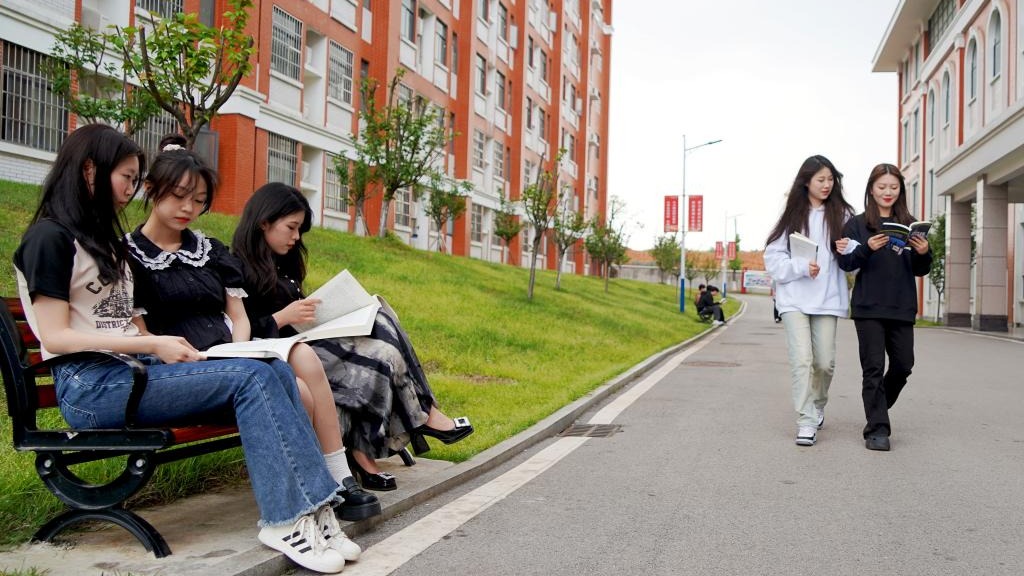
pixel 712 364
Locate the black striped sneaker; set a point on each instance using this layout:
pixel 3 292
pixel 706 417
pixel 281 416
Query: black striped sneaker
pixel 304 543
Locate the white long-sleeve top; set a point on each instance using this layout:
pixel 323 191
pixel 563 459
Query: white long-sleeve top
pixel 795 290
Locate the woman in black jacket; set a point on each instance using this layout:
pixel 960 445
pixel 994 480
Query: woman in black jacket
pixel 884 302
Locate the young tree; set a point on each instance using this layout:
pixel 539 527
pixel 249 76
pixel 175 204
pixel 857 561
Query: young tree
pixel 693 268
pixel 606 243
pixel 506 223
pixel 183 66
pixel 666 256
pixel 356 175
pixel 736 263
pixel 446 201
pixel 708 267
pixel 538 198
pixel 104 93
pixel 567 227
pixel 400 143
pixel 937 274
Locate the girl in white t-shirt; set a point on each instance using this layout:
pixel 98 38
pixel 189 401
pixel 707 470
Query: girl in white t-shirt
pixel 811 295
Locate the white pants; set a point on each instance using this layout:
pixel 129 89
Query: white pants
pixel 812 359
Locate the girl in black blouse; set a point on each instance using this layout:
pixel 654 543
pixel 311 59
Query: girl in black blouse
pixel 191 286
pixel 384 400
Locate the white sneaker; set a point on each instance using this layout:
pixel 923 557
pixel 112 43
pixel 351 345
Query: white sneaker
pixel 717 323
pixel 806 436
pixel 304 544
pixel 334 536
pixel 820 412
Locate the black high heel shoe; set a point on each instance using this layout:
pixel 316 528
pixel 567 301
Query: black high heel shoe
pixel 379 482
pixel 462 429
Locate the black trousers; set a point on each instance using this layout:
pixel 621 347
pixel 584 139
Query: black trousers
pixel 880 387
pixel 715 310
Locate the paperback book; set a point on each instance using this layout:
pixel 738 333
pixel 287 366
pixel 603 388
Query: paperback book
pixel 801 246
pixel 900 234
pixel 345 309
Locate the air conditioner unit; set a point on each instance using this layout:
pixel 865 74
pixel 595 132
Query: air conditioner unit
pixel 93 18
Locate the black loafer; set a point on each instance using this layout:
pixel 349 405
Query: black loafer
pixel 877 443
pixel 462 429
pixel 358 504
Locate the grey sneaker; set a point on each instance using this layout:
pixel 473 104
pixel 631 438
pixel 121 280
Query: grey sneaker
pixel 806 435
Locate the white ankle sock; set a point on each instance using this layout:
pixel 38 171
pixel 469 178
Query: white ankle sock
pixel 337 465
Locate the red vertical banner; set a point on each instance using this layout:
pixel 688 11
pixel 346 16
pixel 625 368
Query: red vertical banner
pixel 732 251
pixel 718 250
pixel 671 213
pixel 695 214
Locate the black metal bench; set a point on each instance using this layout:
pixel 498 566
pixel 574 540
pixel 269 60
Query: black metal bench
pixel 26 382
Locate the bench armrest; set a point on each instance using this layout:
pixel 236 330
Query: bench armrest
pixel 140 376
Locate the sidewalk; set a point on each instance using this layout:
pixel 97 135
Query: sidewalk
pixel 214 534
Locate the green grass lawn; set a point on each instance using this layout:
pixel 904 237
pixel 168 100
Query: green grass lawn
pixel 490 353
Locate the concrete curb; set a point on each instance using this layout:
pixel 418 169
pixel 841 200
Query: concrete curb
pixel 262 561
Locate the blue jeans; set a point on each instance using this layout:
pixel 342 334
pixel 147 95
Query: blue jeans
pixel 811 339
pixel 287 470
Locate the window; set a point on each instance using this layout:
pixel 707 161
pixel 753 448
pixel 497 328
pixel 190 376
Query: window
pixel 286 44
pixel 913 134
pixel 542 123
pixel 543 67
pixel 32 115
pixel 409 20
pixel 906 143
pixel 917 60
pixel 906 77
pixel 476 223
pixel 282 159
pixel 478 149
pixel 481 74
pixel 148 137
pixel 530 49
pixel 931 114
pixel 972 70
pixel 995 32
pixel 335 195
pixel 339 74
pixel 364 73
pixel 502 22
pixel 940 20
pixel 404 94
pixel 529 113
pixel 499 162
pixel 403 208
pixel 441 44
pixel 946 103
pixel 499 83
pixel 163 8
pixel 570 148
pixel 455 52
pixel 483 10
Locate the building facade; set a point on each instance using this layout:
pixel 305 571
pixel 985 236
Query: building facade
pixel 960 65
pixel 517 81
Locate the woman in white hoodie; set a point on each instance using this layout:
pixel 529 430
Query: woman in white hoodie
pixel 811 294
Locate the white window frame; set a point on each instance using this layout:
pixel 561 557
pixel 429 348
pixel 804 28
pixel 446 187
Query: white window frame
pixel 340 71
pixel 286 44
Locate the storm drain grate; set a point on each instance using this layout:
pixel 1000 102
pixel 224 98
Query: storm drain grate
pixel 711 364
pixel 591 430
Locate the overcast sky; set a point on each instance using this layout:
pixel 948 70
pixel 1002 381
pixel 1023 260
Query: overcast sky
pixel 775 81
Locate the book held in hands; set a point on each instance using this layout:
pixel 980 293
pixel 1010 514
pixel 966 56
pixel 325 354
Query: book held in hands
pixel 345 309
pixel 801 246
pixel 900 234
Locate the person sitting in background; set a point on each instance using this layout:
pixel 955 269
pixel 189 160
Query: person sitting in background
pixel 700 292
pixel 706 302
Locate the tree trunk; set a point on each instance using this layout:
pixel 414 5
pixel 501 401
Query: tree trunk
pixel 533 269
pixel 360 228
pixel 384 205
pixel 607 275
pixel 558 269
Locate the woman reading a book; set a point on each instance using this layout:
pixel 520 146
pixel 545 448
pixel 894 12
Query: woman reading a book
pixel 76 289
pixel 383 398
pixel 189 285
pixel 884 297
pixel 810 289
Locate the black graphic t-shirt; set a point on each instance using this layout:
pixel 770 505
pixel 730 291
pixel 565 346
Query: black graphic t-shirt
pixel 50 262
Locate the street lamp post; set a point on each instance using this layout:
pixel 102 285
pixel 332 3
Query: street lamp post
pixel 725 249
pixel 682 226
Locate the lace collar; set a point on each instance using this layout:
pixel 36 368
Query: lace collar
pixel 195 250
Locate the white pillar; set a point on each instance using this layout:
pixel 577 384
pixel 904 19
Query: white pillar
pixel 990 279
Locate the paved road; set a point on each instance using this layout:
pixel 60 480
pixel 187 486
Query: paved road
pixel 704 477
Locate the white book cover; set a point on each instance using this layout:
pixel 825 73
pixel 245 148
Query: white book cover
pixel 801 246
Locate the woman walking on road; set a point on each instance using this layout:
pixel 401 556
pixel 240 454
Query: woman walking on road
pixel 884 297
pixel 811 295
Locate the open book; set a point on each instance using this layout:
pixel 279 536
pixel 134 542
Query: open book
pixel 801 246
pixel 904 232
pixel 346 309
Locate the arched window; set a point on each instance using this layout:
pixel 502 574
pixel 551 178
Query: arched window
pixel 946 104
pixel 931 114
pixel 995 33
pixel 972 67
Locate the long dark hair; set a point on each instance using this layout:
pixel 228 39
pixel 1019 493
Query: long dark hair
pixel 798 205
pixel 90 214
pixel 268 204
pixel 170 167
pixel 900 213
